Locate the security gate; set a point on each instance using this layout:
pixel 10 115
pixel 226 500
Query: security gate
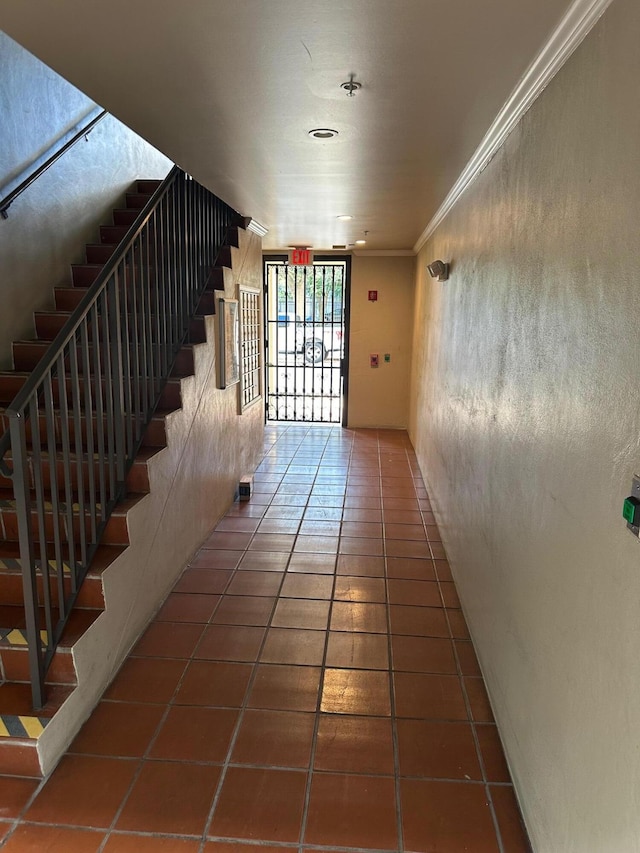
pixel 306 340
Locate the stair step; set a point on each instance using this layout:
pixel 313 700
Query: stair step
pixel 147 186
pixel 18 754
pixel 27 354
pixel 90 594
pixel 155 435
pixel 232 236
pixel 68 298
pixel 14 652
pixel 49 323
pixel 136 201
pixel 125 216
pixel 112 233
pixel 12 382
pixel 99 253
pixel 116 531
pixel 137 477
pixel 224 257
pixel 207 304
pixel 216 279
pixel 83 275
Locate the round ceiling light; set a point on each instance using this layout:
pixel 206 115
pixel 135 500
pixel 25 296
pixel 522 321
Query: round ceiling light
pixel 345 217
pixel 323 133
pixel 360 242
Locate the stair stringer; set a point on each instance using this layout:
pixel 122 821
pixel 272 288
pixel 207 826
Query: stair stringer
pixel 193 481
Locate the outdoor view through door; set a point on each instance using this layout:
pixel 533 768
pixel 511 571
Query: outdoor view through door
pixel 306 321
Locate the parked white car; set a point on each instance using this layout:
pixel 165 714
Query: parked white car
pixel 322 340
pixel 315 341
pixel 290 335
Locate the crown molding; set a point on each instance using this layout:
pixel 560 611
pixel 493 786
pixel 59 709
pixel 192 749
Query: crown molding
pixel 257 228
pixel 381 253
pixel 576 23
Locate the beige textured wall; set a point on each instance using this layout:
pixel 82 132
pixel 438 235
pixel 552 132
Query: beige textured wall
pixel 50 223
pixel 379 397
pixel 526 421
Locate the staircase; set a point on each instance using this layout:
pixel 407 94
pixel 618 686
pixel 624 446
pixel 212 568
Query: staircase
pixel 72 472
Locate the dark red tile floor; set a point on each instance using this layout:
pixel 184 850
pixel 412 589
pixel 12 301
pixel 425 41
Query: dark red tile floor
pixel 308 685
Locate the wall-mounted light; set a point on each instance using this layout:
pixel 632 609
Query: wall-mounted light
pixel 439 270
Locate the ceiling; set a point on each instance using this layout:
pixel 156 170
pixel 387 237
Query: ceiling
pixel 229 89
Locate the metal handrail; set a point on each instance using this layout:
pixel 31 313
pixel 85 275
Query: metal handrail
pixel 8 200
pixel 77 424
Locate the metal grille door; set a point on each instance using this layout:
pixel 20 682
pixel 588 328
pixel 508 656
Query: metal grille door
pixel 306 324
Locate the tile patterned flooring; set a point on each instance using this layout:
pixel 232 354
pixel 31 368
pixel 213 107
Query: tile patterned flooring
pixel 309 685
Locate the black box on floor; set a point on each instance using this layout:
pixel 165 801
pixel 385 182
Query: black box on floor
pixel 244 488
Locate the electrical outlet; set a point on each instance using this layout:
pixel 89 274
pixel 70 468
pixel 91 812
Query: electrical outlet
pixel 634 496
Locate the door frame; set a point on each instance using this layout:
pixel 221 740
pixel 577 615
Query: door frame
pixel 344 363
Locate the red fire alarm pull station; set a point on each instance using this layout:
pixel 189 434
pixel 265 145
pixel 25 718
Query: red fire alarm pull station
pixel 301 257
pixel 373 360
pixel 373 296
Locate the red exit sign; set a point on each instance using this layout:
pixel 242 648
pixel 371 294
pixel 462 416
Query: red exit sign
pixel 301 257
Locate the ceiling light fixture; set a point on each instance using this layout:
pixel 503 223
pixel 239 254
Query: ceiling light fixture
pixel 351 86
pixel 345 217
pixel 323 133
pixel 360 242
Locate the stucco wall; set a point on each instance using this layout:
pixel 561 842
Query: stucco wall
pixel 379 397
pixel 50 223
pixel 526 421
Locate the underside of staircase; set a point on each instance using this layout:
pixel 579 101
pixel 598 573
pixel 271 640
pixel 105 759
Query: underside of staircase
pixel 20 724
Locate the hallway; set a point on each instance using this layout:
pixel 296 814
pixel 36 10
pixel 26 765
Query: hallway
pixel 308 685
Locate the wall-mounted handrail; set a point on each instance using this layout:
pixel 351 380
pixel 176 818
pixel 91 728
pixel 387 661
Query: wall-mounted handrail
pixel 8 200
pixel 78 422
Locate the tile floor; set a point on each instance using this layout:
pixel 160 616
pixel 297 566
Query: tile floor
pixel 308 685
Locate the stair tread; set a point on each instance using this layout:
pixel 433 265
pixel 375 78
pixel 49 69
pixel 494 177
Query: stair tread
pixel 15 699
pixel 45 344
pixel 143 455
pixel 104 556
pixel 25 373
pixel 12 619
pixel 122 507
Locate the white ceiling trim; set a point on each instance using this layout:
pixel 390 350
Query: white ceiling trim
pixel 257 228
pixel 375 253
pixel 579 19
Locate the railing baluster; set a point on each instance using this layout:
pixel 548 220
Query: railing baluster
pixel 156 310
pixel 66 471
pixel 77 431
pixel 88 419
pixel 134 344
pixel 40 509
pixel 145 329
pixel 118 384
pixel 52 448
pixel 125 345
pixel 27 556
pixel 108 390
pixel 103 460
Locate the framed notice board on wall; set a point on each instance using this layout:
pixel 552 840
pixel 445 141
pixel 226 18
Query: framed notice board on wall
pixel 229 351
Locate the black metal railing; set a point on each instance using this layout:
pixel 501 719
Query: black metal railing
pixel 78 422
pixel 7 201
